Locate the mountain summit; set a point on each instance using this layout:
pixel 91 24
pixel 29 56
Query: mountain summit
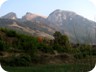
pixel 10 15
pixel 32 17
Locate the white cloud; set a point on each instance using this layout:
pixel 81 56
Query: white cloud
pixel 93 1
pixel 2 1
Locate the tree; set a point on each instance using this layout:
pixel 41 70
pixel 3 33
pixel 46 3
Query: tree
pixel 57 35
pixel 62 41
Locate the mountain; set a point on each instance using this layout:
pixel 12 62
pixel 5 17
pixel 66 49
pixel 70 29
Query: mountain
pixel 10 15
pixel 78 28
pixel 30 23
pixel 34 18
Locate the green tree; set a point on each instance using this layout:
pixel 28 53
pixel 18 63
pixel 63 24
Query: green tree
pixel 57 35
pixel 62 41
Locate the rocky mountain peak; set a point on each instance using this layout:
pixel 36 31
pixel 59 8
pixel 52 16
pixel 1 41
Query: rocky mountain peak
pixel 10 15
pixel 58 11
pixel 58 16
pixel 30 16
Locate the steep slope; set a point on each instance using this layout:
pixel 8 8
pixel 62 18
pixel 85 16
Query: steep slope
pixel 30 23
pixel 28 27
pixel 78 28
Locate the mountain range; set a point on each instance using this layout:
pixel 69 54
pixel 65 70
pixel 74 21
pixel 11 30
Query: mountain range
pixel 78 28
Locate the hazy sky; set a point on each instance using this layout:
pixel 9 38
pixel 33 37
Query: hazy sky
pixel 44 7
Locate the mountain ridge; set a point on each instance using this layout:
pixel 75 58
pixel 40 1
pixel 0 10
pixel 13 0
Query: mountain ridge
pixel 75 26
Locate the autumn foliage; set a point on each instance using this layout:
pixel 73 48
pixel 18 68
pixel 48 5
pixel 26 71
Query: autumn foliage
pixel 40 39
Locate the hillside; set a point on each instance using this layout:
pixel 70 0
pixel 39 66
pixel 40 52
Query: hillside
pixel 23 50
pixel 28 27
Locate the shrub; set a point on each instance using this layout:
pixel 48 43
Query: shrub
pixel 61 42
pixel 83 51
pixel 11 33
pixel 93 51
pixel 58 48
pixel 45 48
pixel 3 46
pixel 21 60
pixel 80 55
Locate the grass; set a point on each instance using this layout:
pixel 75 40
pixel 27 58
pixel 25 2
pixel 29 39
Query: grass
pixel 51 68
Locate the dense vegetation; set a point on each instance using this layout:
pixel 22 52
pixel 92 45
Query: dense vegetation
pixel 24 50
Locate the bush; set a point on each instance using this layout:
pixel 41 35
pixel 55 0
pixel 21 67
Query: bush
pixel 61 42
pixel 58 48
pixel 45 48
pixel 83 51
pixel 22 60
pixel 80 55
pixel 3 46
pixel 93 52
pixel 11 33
